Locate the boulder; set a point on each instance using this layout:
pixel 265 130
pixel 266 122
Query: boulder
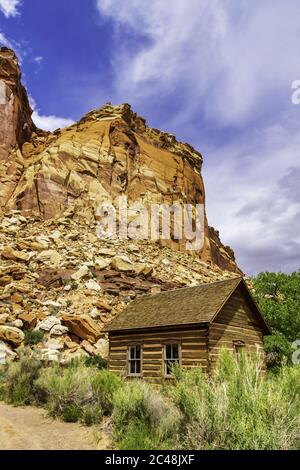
pixel 9 253
pixel 48 323
pixel 122 265
pixel 92 285
pixel 58 330
pixel 29 321
pixel 12 335
pixel 81 273
pixel 82 326
pixel 6 353
pixel 50 256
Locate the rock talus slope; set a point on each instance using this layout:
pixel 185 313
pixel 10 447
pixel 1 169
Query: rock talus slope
pixel 52 265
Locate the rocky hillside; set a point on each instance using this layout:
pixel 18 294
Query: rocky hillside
pixel 56 276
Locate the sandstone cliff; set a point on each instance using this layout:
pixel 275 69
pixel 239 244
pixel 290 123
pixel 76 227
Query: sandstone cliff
pixel 52 265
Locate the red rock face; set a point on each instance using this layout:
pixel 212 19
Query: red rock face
pixel 108 153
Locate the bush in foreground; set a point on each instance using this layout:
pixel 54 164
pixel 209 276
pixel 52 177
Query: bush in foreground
pixel 143 418
pixel 19 386
pixel 237 408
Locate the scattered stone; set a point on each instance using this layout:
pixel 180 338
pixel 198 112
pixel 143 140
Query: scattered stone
pixel 58 330
pixel 6 353
pixel 14 255
pixel 12 335
pixel 48 323
pixel 29 321
pixel 92 285
pixel 82 326
pixel 119 264
pixel 81 273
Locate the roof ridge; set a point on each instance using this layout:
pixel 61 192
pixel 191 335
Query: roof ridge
pixel 222 281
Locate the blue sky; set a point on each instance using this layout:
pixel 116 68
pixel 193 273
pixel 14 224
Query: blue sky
pixel 216 73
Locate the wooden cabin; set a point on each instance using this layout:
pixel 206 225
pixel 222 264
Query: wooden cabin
pixel 187 326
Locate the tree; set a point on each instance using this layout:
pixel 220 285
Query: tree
pixel 278 296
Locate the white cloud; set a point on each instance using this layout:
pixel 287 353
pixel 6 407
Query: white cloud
pixel 225 57
pixel 38 59
pixel 229 67
pixel 48 123
pixel 253 195
pixel 4 41
pixel 10 7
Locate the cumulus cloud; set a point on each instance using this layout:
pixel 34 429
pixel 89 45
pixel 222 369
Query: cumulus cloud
pixel 10 7
pixel 4 41
pixel 219 55
pixel 48 123
pixel 253 196
pixel 229 67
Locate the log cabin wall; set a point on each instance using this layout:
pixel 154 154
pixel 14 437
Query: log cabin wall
pixel 235 326
pixel 193 343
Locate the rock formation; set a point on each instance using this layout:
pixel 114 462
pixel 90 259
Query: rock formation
pixel 52 265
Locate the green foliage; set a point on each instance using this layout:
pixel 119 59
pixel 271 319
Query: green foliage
pixel 143 418
pixel 278 296
pixel 237 408
pixel 96 361
pixel 33 337
pixel 92 414
pixel 67 390
pixel 104 384
pixel 71 413
pixel 19 388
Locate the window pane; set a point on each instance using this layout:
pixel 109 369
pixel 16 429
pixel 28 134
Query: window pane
pixel 137 352
pixel 169 351
pixel 132 352
pixel 138 367
pixel 132 367
pixel 175 351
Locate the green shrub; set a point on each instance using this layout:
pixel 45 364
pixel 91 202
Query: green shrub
pixel 66 389
pixel 143 418
pixel 104 385
pixel 19 388
pixel 71 413
pixel 33 337
pixel 236 408
pixel 96 361
pixel 92 414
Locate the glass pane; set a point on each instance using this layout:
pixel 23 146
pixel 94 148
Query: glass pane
pixel 132 367
pixel 138 367
pixel 175 351
pixel 168 351
pixel 132 352
pixel 137 352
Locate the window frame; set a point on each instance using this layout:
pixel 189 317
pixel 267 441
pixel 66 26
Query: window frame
pixel 131 360
pixel 166 360
pixel 239 348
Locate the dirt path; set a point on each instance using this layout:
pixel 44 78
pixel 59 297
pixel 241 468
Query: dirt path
pixel 30 429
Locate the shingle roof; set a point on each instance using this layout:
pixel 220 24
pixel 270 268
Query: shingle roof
pixel 184 306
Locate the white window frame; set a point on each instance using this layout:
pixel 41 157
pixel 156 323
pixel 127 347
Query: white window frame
pixel 171 359
pixel 130 360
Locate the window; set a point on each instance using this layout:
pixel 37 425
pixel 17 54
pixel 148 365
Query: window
pixel 171 357
pixel 239 348
pixel 135 354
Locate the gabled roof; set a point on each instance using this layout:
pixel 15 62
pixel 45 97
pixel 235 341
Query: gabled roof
pixel 192 305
